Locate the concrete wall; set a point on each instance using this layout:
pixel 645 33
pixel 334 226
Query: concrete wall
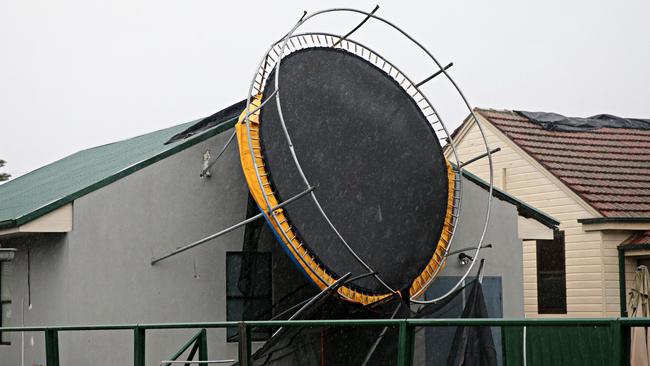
pixel 100 273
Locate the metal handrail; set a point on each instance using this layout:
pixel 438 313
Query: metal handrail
pixel 406 328
pixel 451 322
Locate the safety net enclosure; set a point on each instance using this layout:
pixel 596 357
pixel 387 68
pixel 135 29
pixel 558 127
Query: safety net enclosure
pixel 378 169
pixel 342 154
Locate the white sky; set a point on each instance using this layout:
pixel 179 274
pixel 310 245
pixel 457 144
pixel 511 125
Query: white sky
pixel 80 73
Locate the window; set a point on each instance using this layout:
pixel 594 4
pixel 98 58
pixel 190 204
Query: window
pixel 248 291
pixel 551 275
pixel 5 299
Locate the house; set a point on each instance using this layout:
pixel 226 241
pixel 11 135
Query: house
pixel 82 231
pixel 594 179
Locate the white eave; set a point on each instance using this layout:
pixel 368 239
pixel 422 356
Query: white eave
pixel 57 221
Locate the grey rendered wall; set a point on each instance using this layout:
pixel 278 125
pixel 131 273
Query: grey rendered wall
pixel 100 272
pixel 505 258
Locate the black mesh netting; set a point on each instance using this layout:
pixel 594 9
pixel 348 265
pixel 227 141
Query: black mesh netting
pixel 290 292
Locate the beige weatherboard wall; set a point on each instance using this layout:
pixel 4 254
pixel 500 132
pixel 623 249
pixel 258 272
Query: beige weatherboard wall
pixel 591 259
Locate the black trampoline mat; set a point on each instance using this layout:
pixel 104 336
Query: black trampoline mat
pixel 377 166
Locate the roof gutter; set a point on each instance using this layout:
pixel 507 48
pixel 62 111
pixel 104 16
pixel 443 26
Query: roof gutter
pixel 615 223
pixel 603 220
pixel 7 224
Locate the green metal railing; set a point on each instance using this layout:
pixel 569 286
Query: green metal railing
pixel 199 342
pixel 615 328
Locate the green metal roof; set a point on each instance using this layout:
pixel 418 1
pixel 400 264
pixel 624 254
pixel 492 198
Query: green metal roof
pixel 52 186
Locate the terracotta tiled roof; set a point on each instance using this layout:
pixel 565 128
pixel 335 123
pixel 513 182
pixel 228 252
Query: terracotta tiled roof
pixel 609 167
pixel 640 238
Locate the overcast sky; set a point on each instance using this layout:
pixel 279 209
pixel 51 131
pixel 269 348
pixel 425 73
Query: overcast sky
pixel 81 73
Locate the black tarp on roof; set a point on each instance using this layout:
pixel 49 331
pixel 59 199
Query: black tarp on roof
pixel 558 122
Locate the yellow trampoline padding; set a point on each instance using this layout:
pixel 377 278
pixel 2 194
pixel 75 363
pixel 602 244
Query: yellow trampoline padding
pixel 437 262
pixel 261 191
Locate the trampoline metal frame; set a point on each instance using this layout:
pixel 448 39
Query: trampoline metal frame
pixel 342 40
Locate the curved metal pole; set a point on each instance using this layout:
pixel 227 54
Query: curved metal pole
pixel 451 141
pixel 325 291
pixel 458 185
pixel 277 72
pixel 299 166
pixel 487 147
pixel 272 215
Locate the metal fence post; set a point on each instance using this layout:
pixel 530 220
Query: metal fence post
pixel 244 344
pixel 203 345
pixel 405 344
pixel 51 347
pixel 618 341
pixel 138 346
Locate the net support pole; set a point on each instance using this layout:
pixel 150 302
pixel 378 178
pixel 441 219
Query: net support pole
pixel 348 34
pixel 434 75
pixel 480 157
pixel 379 339
pixel 229 229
